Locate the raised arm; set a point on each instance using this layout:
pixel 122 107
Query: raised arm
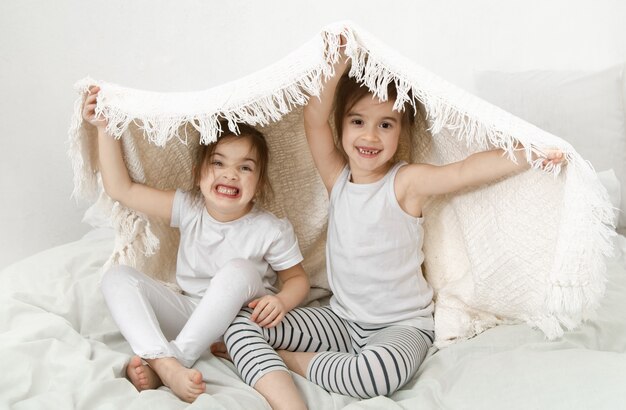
pixel 317 112
pixel 419 181
pixel 115 177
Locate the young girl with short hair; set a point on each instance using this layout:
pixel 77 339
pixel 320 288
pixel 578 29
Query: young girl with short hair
pixel 231 254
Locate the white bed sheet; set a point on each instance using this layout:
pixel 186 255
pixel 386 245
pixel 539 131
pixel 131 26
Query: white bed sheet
pixel 59 349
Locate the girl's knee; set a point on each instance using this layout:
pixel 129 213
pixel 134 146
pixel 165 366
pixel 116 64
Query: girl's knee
pixel 362 375
pixel 383 378
pixel 242 319
pixel 238 275
pixel 243 316
pixel 240 268
pixel 241 324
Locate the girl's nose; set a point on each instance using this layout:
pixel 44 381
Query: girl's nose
pixel 371 135
pixel 230 174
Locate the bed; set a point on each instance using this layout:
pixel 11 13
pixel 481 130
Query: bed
pixel 60 348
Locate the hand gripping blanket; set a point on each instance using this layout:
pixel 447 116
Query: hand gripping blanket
pixel 529 248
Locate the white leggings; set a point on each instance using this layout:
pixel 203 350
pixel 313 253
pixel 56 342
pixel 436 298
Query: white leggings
pixel 158 322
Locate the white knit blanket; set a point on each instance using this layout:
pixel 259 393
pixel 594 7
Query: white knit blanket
pixel 528 248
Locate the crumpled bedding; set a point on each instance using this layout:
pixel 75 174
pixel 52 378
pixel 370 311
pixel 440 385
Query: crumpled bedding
pixel 60 349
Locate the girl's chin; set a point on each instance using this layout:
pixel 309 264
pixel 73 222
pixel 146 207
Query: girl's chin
pixel 227 214
pixel 367 162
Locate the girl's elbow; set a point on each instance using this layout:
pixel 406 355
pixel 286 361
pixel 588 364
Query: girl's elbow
pixel 303 280
pixel 462 178
pixel 116 196
pixel 116 193
pixel 111 191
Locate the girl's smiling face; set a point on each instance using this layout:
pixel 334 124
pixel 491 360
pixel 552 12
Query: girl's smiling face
pixel 371 131
pixel 230 179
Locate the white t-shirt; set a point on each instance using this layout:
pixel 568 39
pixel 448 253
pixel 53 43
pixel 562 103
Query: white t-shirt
pixel 374 255
pixel 207 244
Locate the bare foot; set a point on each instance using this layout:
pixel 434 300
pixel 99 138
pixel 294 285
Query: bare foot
pixel 219 349
pixel 297 361
pixel 186 383
pixel 141 375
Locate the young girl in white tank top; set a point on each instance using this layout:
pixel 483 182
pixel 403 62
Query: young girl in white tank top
pixel 379 325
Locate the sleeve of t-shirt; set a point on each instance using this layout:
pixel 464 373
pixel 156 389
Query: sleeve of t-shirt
pixel 182 202
pixel 284 252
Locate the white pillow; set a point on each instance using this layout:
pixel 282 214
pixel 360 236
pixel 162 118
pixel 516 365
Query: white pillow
pixel 586 109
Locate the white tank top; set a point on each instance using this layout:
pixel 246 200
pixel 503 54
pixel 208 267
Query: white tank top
pixel 374 255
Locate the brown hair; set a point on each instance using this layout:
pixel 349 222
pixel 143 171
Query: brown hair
pixel 349 92
pixel 259 145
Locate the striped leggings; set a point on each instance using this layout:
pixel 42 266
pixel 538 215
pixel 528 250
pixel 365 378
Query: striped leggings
pixel 355 359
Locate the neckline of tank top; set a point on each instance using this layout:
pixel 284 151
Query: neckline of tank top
pixel 375 183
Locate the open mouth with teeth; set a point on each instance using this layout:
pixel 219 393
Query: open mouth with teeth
pixel 227 191
pixel 368 152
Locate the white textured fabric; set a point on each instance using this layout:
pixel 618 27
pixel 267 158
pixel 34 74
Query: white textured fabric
pixel 529 248
pixel 206 245
pixel 374 255
pixel 588 109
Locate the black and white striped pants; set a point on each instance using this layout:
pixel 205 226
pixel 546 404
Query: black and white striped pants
pixel 355 359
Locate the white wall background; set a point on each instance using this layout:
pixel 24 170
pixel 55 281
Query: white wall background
pixel 45 46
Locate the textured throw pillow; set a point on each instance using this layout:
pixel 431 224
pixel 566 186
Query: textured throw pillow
pixel 584 108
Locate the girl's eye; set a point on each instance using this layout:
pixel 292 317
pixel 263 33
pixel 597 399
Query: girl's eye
pixel 385 125
pixel 216 163
pixel 246 168
pixel 357 122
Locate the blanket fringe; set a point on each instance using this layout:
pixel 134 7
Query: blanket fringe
pixel 472 120
pixel 134 235
pixel 159 129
